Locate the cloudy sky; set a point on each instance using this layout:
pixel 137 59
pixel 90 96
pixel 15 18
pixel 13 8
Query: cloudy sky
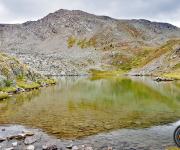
pixel 17 11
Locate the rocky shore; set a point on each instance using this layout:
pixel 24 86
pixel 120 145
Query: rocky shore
pixel 16 137
pixel 16 77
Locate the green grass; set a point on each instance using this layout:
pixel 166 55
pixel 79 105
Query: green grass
pixel 173 75
pixel 71 42
pixel 144 56
pixel 162 50
pixel 25 85
pixel 177 66
pixel 47 81
pixel 8 89
pixel 3 95
pixel 82 43
pixel 129 63
pixel 173 148
pixel 50 81
pixel 99 73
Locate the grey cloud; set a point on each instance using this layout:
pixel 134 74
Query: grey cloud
pixel 157 10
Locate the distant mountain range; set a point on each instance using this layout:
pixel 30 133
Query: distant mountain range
pixel 73 42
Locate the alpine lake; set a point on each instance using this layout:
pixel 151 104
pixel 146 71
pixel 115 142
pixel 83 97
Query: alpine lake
pixel 82 106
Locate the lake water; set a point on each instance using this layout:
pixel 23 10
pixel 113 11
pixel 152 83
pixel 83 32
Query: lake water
pixel 78 107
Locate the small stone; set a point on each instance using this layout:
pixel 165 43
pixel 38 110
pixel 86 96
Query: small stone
pixel 89 148
pixel 49 147
pixel 14 144
pixel 2 139
pixel 110 148
pixel 30 147
pixel 30 140
pixel 63 73
pixel 11 148
pixel 75 148
pixel 20 136
pixel 3 129
pixel 69 146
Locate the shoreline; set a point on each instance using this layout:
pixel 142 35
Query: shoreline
pixel 155 138
pixel 50 82
pixel 16 90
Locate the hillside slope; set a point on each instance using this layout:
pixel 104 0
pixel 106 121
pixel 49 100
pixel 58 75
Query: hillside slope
pixel 16 77
pixel 165 61
pixel 73 42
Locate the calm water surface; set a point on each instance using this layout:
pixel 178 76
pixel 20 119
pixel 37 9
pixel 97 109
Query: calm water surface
pixel 78 107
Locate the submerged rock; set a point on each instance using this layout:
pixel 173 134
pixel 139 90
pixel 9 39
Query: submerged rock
pixel 11 148
pixel 49 147
pixel 69 146
pixel 14 144
pixel 30 147
pixel 89 148
pixel 75 148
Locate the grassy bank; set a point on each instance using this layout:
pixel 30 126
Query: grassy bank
pixel 3 95
pixel 23 85
pixel 173 75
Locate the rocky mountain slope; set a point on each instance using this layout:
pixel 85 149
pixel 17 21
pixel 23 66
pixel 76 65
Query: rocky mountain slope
pixel 165 61
pixel 17 77
pixel 73 42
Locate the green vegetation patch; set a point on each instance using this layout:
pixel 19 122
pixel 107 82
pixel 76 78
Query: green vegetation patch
pixel 100 73
pixel 8 89
pixel 173 148
pixel 3 95
pixel 177 66
pixel 162 50
pixel 71 42
pixel 47 81
pixel 82 43
pixel 26 85
pixel 128 63
pixel 173 75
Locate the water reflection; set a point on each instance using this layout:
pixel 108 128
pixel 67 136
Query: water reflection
pixel 78 107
